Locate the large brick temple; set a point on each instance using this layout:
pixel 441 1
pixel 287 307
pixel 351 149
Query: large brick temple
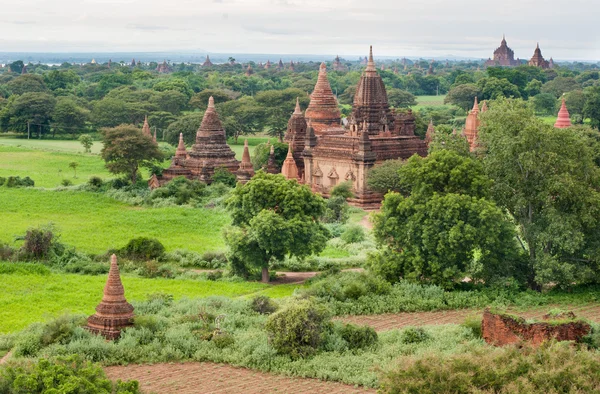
pixel 503 56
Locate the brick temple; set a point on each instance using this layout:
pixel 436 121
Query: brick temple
pixel 503 56
pixel 113 313
pixel 537 60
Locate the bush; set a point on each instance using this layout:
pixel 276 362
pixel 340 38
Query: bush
pixel 336 210
pixel 347 286
pixel 358 337
pixel 353 234
pixel 61 375
pixel 180 189
pixel 2 180
pixel 551 368
pixel 222 340
pixel 66 182
pixel 17 181
pixel 593 338
pixel 298 330
pixel 473 323
pixel 414 335
pixel 38 242
pixel 263 305
pixel 143 248
pixel 95 182
pixel 224 176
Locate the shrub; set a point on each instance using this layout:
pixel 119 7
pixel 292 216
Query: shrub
pixel 551 368
pixel 61 375
pixel 414 335
pixel 61 329
pixel 263 305
pixel 336 210
pixel 473 323
pixel 180 189
pixel 6 251
pixel 353 234
pixel 17 181
pixel 143 248
pixel 298 330
pixel 224 176
pixel 2 180
pixel 95 182
pixel 214 275
pixel 358 337
pixel 66 182
pixel 222 340
pixel 347 286
pixel 39 242
pixel 593 338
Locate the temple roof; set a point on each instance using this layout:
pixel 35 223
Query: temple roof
pixel 323 109
pixel 210 121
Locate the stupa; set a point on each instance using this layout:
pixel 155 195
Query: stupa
pixel 564 120
pixel 323 111
pixel 295 136
pixel 429 134
pixel 289 168
pixel 207 62
pixel 146 127
pixel 471 129
pixel 113 313
pixel 249 71
pixel 337 65
pixel 245 172
pixel 163 68
pixel 268 65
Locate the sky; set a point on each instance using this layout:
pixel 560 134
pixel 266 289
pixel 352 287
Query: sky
pixel 566 30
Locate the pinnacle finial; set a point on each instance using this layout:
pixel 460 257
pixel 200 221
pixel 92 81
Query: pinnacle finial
pixel 211 102
pixel 371 62
pixel 113 259
pixel 322 67
pixel 298 110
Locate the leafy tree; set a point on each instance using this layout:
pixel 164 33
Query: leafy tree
pixel 260 157
pixel 400 98
pixel 450 141
pixel 547 180
pixel 462 96
pixel 575 101
pixel 273 217
pixel 544 104
pixel 591 109
pixel 560 85
pixel 385 177
pixel 87 142
pixel 243 116
pixel 68 116
pixel 110 112
pixel 126 148
pixel 178 84
pixel 279 106
pixel 17 67
pixel 171 101
pixel 61 79
pixel 188 125
pixel 200 100
pixel 27 83
pixel 533 88
pixel 444 227
pixel 36 108
pixel 493 88
pixel 74 166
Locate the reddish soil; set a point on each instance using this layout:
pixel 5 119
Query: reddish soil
pixel 209 378
pixel 399 320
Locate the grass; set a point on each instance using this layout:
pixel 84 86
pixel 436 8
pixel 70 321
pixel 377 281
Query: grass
pixel 31 298
pixel 95 223
pixel 429 101
pixel 47 168
pixel 65 146
pixel 252 142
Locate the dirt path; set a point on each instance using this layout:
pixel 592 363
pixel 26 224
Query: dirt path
pixel 210 378
pixel 6 357
pixel 392 321
pixel 366 221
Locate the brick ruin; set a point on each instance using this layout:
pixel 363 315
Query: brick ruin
pixel 113 313
pixel 500 329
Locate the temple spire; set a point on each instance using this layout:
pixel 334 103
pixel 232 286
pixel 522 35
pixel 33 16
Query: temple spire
pixel 298 110
pixel 146 127
pixel 181 152
pixel 289 168
pixel 370 62
pixel 475 105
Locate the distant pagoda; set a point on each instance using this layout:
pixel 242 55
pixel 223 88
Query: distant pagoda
pixel 537 60
pixel 323 111
pixel 113 313
pixel 207 62
pixel 337 65
pixel 471 130
pixel 249 70
pixel 503 56
pixel 163 67
pixel 246 171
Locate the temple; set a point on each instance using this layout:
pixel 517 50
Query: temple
pixel 471 130
pixel 245 172
pixel 537 60
pixel 163 68
pixel 333 154
pixel 503 56
pixel 207 62
pixel 209 153
pixel 249 70
pixel 337 65
pixel 564 120
pixel 113 313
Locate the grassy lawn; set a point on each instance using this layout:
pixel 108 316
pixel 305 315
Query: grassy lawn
pixel 49 168
pixel 66 146
pixel 30 298
pixel 252 142
pixel 94 223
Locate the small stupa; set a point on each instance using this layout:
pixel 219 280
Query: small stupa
pixel 564 120
pixel 271 164
pixel 146 127
pixel 289 168
pixel 113 313
pixel 246 170
pixel 430 133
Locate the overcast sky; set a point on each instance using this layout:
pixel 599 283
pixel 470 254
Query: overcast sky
pixel 566 29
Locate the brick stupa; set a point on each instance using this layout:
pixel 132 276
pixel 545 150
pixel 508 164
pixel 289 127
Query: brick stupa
pixel 564 120
pixel 114 312
pixel 207 62
pixel 146 127
pixel 271 164
pixel 295 135
pixel 430 134
pixel 323 111
pixel 246 171
pixel 471 129
pixel 289 168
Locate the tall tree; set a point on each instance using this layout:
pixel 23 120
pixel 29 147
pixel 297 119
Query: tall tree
pixel 126 149
pixel 273 217
pixel 69 117
pixel 547 180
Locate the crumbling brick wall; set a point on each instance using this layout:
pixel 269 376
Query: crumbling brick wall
pixel 499 330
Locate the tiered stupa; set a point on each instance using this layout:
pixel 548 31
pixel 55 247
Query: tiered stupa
pixel 289 168
pixel 271 164
pixel 471 129
pixel 292 66
pixel 337 65
pixel 246 171
pixel 146 127
pixel 268 65
pixel 113 313
pixel 503 56
pixel 249 71
pixel 163 68
pixel 537 60
pixel 280 65
pixel 564 119
pixel 295 136
pixel 323 111
pixel 207 62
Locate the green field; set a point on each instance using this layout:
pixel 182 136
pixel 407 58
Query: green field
pixel 429 101
pixel 32 298
pixel 94 222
